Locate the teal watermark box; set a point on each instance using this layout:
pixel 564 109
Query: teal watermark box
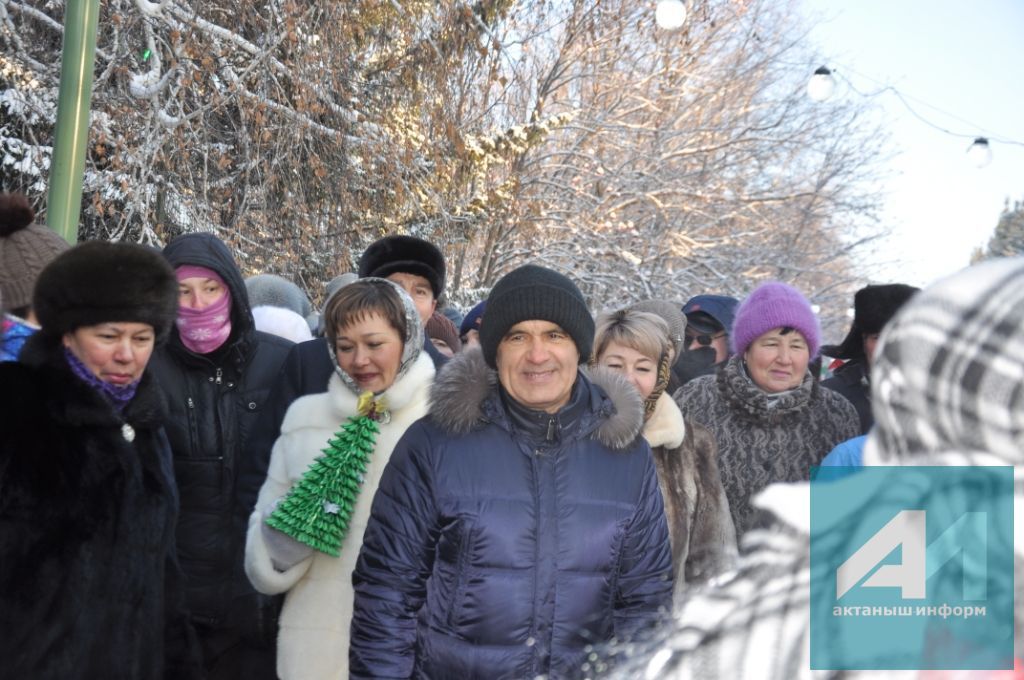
pixel 911 568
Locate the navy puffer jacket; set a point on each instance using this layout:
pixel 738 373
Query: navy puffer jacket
pixel 501 550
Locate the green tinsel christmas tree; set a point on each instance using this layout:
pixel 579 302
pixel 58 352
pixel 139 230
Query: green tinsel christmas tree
pixel 318 508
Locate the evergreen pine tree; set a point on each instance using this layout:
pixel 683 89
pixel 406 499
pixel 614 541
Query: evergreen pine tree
pixel 1008 238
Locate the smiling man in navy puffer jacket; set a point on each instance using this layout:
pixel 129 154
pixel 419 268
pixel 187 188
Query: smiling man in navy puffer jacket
pixel 521 520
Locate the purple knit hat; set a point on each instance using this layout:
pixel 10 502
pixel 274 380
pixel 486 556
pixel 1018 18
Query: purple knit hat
pixel 771 305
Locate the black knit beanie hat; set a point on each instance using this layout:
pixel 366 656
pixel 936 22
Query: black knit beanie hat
pixel 98 281
pixel 534 293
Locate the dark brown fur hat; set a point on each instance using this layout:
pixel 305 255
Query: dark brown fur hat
pixel 99 281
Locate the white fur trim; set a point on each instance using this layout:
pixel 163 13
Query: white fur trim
pixel 281 322
pixel 665 427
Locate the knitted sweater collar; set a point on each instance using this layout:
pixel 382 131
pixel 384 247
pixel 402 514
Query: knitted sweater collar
pixel 753 403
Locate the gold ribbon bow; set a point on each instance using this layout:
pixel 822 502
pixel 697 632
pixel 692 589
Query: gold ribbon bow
pixel 373 407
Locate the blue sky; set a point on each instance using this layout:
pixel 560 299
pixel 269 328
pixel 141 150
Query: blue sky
pixel 964 58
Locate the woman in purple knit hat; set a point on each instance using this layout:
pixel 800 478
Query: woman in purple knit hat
pixel 767 411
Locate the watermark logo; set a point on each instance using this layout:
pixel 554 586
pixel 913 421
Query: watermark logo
pixel 912 568
pixel 965 538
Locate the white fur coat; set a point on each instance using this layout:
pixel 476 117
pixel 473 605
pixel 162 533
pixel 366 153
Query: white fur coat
pixel 314 625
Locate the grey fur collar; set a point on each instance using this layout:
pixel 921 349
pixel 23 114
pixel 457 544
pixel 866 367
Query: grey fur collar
pixel 462 389
pixel 459 391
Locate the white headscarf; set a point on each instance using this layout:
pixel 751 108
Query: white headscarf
pixel 412 342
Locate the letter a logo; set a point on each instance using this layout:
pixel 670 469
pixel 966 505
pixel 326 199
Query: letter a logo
pixel 906 530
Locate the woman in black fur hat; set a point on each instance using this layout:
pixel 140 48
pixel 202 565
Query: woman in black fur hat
pixel 89 582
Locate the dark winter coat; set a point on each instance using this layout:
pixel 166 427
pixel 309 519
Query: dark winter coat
pixel 89 582
pixel 524 537
pixel 699 522
pixel 851 381
pixel 761 438
pixel 306 370
pixel 215 400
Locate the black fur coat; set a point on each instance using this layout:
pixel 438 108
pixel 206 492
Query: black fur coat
pixel 89 583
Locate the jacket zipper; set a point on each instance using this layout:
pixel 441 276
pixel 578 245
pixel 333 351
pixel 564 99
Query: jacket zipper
pixel 534 632
pixel 217 376
pixel 193 428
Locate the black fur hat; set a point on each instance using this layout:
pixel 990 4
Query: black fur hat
pixel 873 306
pixel 99 281
pixel 404 254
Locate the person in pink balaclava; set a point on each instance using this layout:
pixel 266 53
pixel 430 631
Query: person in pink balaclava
pixel 216 371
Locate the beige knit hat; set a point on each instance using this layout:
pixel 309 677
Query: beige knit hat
pixel 25 249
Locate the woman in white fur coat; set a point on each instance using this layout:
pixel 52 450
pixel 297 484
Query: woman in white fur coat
pixel 376 339
pixel 637 344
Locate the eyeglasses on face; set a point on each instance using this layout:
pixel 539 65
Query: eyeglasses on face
pixel 704 340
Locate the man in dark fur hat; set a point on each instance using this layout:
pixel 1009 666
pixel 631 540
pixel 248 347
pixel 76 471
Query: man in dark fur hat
pixel 873 306
pixel 414 264
pixel 521 521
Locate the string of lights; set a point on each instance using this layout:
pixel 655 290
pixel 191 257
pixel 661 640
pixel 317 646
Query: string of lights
pixel 670 15
pixel 822 84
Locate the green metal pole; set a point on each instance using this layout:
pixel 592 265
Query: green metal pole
pixel 64 201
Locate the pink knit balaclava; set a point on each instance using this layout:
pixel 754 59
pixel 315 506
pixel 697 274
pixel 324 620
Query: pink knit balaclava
pixel 204 330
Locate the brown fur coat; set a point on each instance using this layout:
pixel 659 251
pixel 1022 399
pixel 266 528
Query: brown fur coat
pixel 699 523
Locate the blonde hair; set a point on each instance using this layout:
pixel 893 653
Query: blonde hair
pixel 642 331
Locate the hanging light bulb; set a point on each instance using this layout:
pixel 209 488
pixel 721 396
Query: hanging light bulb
pixel 670 14
pixel 979 152
pixel 821 85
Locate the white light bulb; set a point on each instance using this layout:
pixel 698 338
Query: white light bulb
pixel 979 152
pixel 821 85
pixel 670 14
